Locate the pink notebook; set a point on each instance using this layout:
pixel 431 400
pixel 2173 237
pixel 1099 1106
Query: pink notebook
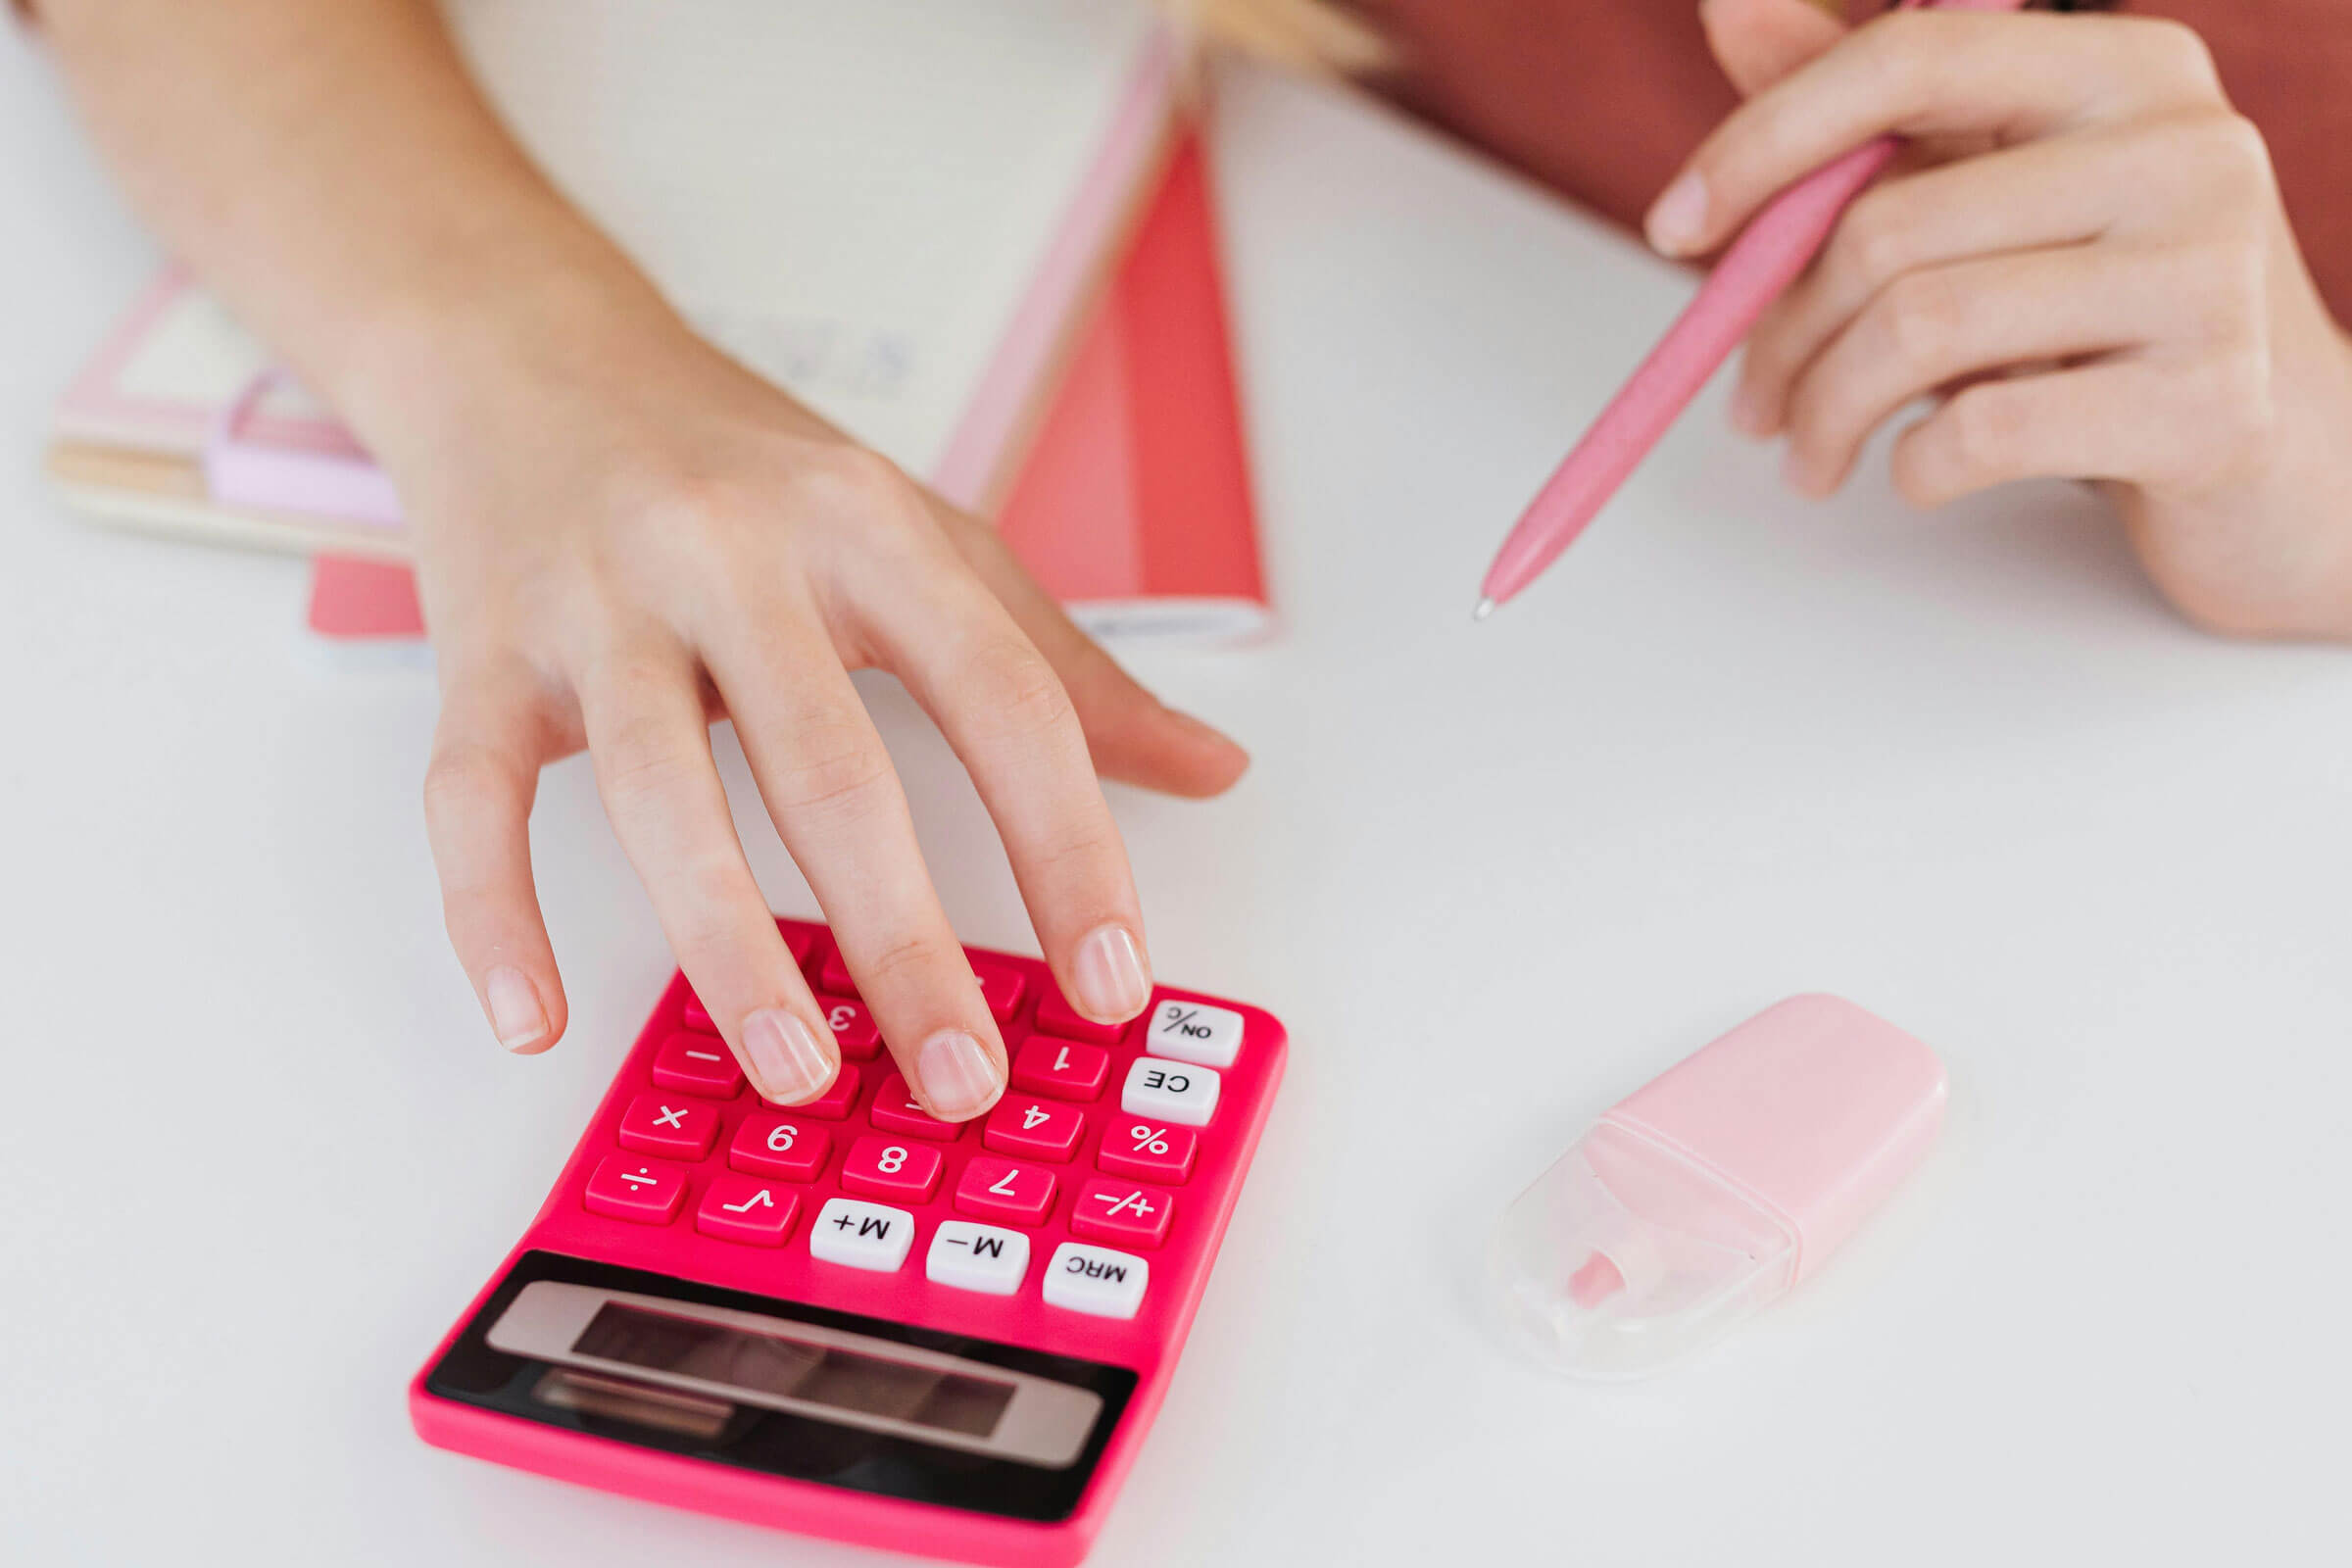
pixel 1133 507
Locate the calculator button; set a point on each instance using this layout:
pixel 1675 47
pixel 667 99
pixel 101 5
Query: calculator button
pixel 698 1065
pixel 1062 1068
pixel 1055 1016
pixel 835 975
pixel 890 1167
pixel 1175 1091
pixel 1096 1280
pixel 770 1145
pixel 1149 1151
pixel 1114 1211
pixel 861 1235
pixel 637 1190
pixel 853 1028
pixel 697 1016
pixel 1000 986
pixel 669 1124
pixel 834 1103
pixel 756 1213
pixel 1036 1128
pixel 798 941
pixel 1014 1191
pixel 1194 1031
pixel 977 1258
pixel 896 1108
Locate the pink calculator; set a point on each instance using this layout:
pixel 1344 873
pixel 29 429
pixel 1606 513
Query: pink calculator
pixel 849 1319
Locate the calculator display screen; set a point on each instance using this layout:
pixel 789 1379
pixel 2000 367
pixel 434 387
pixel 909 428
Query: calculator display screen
pixel 806 1370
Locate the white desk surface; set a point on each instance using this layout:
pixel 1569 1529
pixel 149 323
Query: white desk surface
pixel 1964 768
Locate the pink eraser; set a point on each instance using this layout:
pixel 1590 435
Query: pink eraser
pixel 1715 1187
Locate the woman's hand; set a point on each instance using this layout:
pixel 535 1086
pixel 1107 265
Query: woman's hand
pixel 622 536
pixel 2084 263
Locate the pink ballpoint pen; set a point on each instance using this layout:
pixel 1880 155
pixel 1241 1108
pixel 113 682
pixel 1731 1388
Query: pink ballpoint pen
pixel 1766 258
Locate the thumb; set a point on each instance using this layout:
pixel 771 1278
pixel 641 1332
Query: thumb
pixel 1757 42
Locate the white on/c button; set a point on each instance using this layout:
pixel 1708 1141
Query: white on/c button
pixel 859 1234
pixel 1194 1031
pixel 1172 1091
pixel 1096 1280
pixel 977 1258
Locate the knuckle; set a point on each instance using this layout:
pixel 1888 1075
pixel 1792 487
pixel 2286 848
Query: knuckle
pixel 2236 150
pixel 903 957
pixel 640 766
pixel 462 777
pixel 1922 320
pixel 1985 426
pixel 1872 247
pixel 833 766
pixel 2175 53
pixel 856 483
pixel 1016 693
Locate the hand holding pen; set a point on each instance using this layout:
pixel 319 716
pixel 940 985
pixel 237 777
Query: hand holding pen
pixel 2088 269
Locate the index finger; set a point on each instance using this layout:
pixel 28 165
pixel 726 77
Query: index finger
pixel 1930 73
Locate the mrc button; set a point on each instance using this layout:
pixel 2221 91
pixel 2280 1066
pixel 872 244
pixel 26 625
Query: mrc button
pixel 1175 1090
pixel 1095 1280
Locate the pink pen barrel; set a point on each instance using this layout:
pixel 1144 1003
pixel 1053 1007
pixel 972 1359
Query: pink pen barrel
pixel 1778 244
pixel 1764 261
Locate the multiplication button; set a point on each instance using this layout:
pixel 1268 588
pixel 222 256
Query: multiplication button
pixel 977 1258
pixel 1096 1281
pixel 871 1235
pixel 1194 1031
pixel 1174 1090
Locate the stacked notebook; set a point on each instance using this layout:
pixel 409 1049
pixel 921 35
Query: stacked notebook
pixel 979 237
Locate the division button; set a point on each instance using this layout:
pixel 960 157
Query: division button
pixel 859 1234
pixel 640 1190
pixel 1096 1281
pixel 977 1258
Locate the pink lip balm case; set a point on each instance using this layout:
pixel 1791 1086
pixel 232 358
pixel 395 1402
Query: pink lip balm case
pixel 1714 1188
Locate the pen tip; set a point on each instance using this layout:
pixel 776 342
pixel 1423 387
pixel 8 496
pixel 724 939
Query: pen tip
pixel 1486 607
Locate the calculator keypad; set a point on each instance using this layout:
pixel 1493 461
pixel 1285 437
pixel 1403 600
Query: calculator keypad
pixel 1014 1191
pixel 1113 1210
pixel 1194 1031
pixel 1175 1090
pixel 1154 1152
pixel 977 1258
pixel 1064 1069
pixel 698 1065
pixel 1037 1128
pixel 1096 1280
pixel 897 1109
pixel 640 1190
pixel 784 1146
pixel 672 1125
pixel 756 1213
pixel 895 1169
pixel 852 1175
pixel 854 1028
pixel 861 1234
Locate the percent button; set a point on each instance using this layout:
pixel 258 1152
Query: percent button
pixel 1148 1151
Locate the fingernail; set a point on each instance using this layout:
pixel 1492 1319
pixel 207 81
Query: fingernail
pixel 960 1080
pixel 1112 985
pixel 1679 214
pixel 516 1014
pixel 787 1065
pixel 1747 411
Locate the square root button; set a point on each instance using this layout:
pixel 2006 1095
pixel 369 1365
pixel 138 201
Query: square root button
pixel 1096 1281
